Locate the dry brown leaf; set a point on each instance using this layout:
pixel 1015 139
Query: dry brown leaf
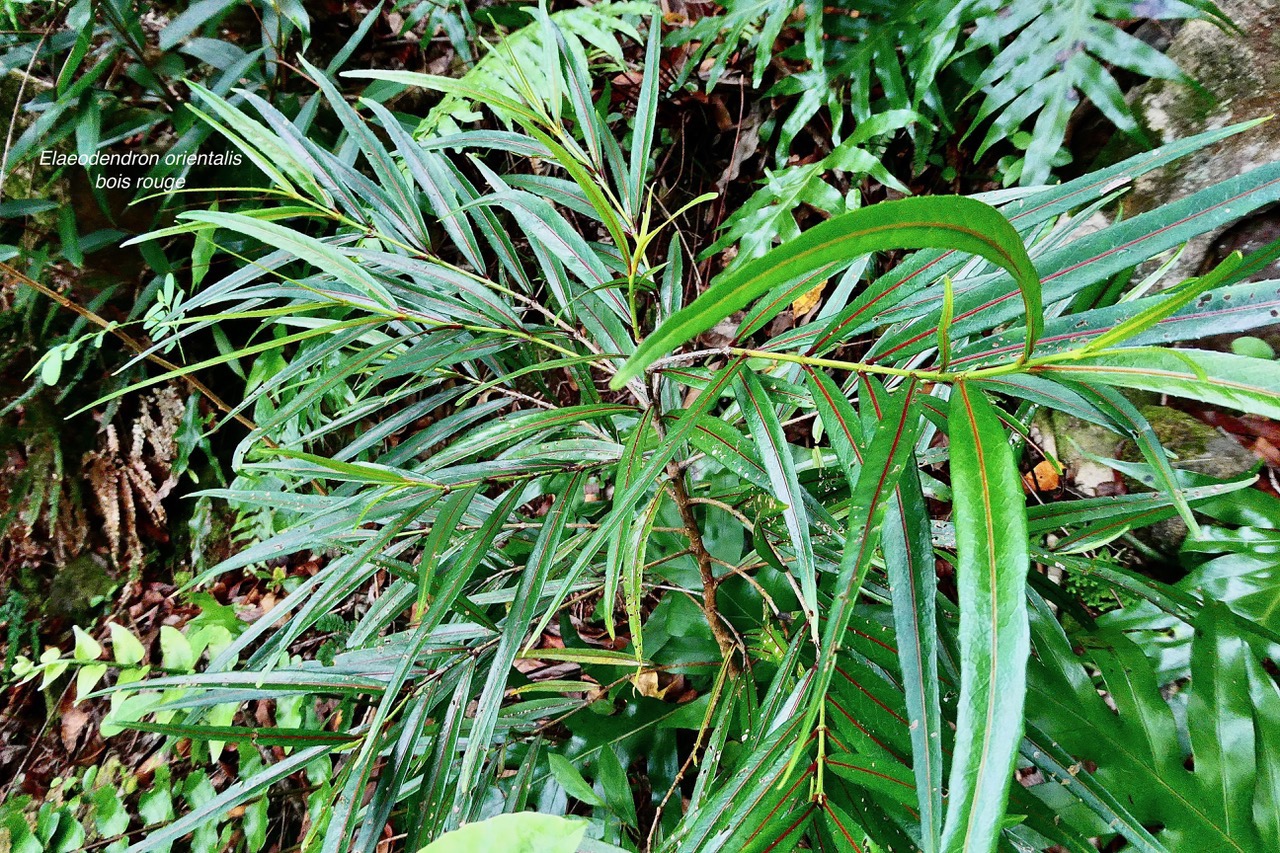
pixel 646 683
pixel 73 721
pixel 1042 478
pixel 807 301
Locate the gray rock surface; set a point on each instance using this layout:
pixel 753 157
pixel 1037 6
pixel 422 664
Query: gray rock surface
pixel 1197 447
pixel 1240 73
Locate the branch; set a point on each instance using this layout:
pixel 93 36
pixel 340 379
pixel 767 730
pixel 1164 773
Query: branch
pixel 132 343
pixel 724 638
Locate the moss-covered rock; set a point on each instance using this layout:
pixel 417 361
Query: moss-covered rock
pixel 79 588
pixel 1198 447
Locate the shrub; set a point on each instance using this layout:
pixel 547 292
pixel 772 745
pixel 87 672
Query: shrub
pixel 593 557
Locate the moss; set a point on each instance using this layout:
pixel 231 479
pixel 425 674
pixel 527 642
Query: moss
pixel 1178 431
pixel 1197 446
pixel 79 588
pixel 1098 596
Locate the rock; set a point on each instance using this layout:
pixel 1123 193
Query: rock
pixel 1240 73
pixel 1076 441
pixel 1199 448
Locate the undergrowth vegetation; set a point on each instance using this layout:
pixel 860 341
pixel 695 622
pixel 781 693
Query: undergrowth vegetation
pixel 609 553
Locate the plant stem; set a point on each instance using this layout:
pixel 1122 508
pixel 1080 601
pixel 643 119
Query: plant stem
pixel 950 376
pixel 724 639
pixel 133 344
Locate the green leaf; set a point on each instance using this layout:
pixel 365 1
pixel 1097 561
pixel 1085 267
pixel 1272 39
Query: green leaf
pixel 775 453
pixel 992 563
pixel 1220 716
pixel 1237 382
pixel 264 149
pixel 1068 269
pixel 192 18
pixel 175 651
pixel 569 777
pixel 125 646
pixel 315 252
pixel 1252 347
pixel 235 794
pixel 525 832
pixel 87 648
pixel 525 607
pixel 884 461
pixel 622 560
pixel 908 556
pixel 1169 304
pixel 238 734
pixel 461 88
pixel 87 677
pixel 618 792
pixel 584 656
pixel 943 222
pixel 646 110
pixel 1266 717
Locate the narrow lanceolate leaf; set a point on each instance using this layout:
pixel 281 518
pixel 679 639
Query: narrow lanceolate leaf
pixel 621 560
pixel 1170 304
pixel 435 792
pixel 450 86
pixel 943 222
pixel 1249 385
pixel 775 453
pixel 525 605
pixel 908 556
pixel 315 252
pixel 391 778
pixel 886 457
pixel 646 112
pixel 840 421
pixel 991 571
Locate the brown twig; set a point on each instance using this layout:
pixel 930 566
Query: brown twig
pixel 724 638
pixel 132 343
pixel 716 692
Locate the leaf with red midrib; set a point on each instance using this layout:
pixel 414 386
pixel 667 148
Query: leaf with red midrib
pixel 992 561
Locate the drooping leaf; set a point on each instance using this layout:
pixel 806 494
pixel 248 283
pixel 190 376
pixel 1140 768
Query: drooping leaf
pixel 912 223
pixel 992 564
